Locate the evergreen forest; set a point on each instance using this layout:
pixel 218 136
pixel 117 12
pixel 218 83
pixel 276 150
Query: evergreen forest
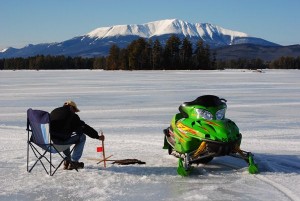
pixel 142 54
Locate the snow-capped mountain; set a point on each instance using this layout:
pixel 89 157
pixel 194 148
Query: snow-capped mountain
pixel 165 27
pixel 98 41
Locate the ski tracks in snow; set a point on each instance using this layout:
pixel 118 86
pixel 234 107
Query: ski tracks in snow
pixel 278 165
pixel 267 166
pixel 288 193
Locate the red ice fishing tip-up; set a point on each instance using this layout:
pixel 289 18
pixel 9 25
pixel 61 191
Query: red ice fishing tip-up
pixel 99 149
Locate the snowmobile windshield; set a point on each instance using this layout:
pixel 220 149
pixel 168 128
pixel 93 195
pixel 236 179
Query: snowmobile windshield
pixel 207 107
pixel 208 101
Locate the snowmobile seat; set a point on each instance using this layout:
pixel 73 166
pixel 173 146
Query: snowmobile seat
pixel 39 140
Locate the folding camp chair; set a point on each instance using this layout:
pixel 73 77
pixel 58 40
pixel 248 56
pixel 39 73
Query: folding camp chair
pixel 39 140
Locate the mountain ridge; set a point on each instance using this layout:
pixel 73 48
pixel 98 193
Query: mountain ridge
pixel 169 26
pixel 98 41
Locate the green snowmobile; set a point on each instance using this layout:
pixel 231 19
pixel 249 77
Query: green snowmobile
pixel 201 132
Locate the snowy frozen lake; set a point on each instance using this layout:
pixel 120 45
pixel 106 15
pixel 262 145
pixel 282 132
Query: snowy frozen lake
pixel 132 108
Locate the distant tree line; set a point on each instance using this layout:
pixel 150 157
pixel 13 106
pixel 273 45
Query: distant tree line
pixel 281 63
pixel 41 62
pixel 142 54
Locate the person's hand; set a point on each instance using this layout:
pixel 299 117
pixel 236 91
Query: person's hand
pixel 101 136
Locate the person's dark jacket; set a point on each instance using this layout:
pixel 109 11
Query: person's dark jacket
pixel 63 122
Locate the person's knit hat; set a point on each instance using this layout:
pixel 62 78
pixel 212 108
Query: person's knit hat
pixel 73 104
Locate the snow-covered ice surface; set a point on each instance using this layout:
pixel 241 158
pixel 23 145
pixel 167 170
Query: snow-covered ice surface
pixel 132 108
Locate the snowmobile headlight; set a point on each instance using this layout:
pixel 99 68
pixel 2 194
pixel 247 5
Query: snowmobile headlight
pixel 220 114
pixel 204 113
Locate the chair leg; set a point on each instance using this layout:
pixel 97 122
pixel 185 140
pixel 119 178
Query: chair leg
pixel 28 147
pixel 51 174
pixel 27 156
pixel 50 162
pixel 39 156
pixel 51 165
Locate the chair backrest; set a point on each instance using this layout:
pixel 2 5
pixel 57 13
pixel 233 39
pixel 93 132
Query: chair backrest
pixel 38 124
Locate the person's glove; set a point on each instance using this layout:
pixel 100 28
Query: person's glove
pixel 101 136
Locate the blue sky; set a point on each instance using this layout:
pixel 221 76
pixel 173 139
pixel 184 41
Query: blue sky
pixel 25 22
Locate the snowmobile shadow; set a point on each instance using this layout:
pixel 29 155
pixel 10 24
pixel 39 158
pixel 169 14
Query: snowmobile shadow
pixel 211 168
pixel 266 163
pixel 217 166
pixel 278 163
pixel 220 165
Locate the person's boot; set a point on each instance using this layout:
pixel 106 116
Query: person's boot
pixel 66 164
pixel 75 165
